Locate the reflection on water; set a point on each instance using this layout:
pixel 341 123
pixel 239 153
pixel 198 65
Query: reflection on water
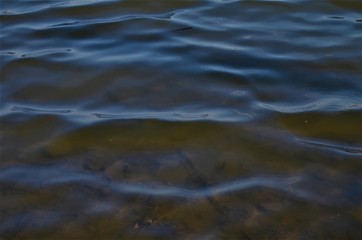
pixel 181 119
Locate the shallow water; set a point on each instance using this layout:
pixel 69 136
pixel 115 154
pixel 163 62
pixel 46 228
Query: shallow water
pixel 181 119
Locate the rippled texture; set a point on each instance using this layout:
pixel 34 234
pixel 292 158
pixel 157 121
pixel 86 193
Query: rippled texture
pixel 181 119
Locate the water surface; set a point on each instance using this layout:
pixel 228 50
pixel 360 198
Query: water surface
pixel 181 119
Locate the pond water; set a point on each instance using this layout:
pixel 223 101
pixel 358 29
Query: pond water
pixel 181 119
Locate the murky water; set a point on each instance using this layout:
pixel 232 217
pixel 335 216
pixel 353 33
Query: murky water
pixel 181 119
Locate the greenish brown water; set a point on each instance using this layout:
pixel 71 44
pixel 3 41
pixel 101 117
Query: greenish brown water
pixel 180 119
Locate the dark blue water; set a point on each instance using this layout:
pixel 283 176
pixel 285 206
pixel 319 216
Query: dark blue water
pixel 181 119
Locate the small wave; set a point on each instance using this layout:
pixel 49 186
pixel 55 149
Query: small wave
pixel 336 17
pixel 45 52
pixel 346 149
pixel 218 115
pixel 6 12
pixel 299 185
pixel 37 110
pixel 190 116
pixel 152 115
pixel 331 104
pixel 64 24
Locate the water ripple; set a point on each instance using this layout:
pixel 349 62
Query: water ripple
pixel 345 149
pixel 219 115
pixel 37 110
pixel 45 52
pixel 296 185
pixel 139 115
